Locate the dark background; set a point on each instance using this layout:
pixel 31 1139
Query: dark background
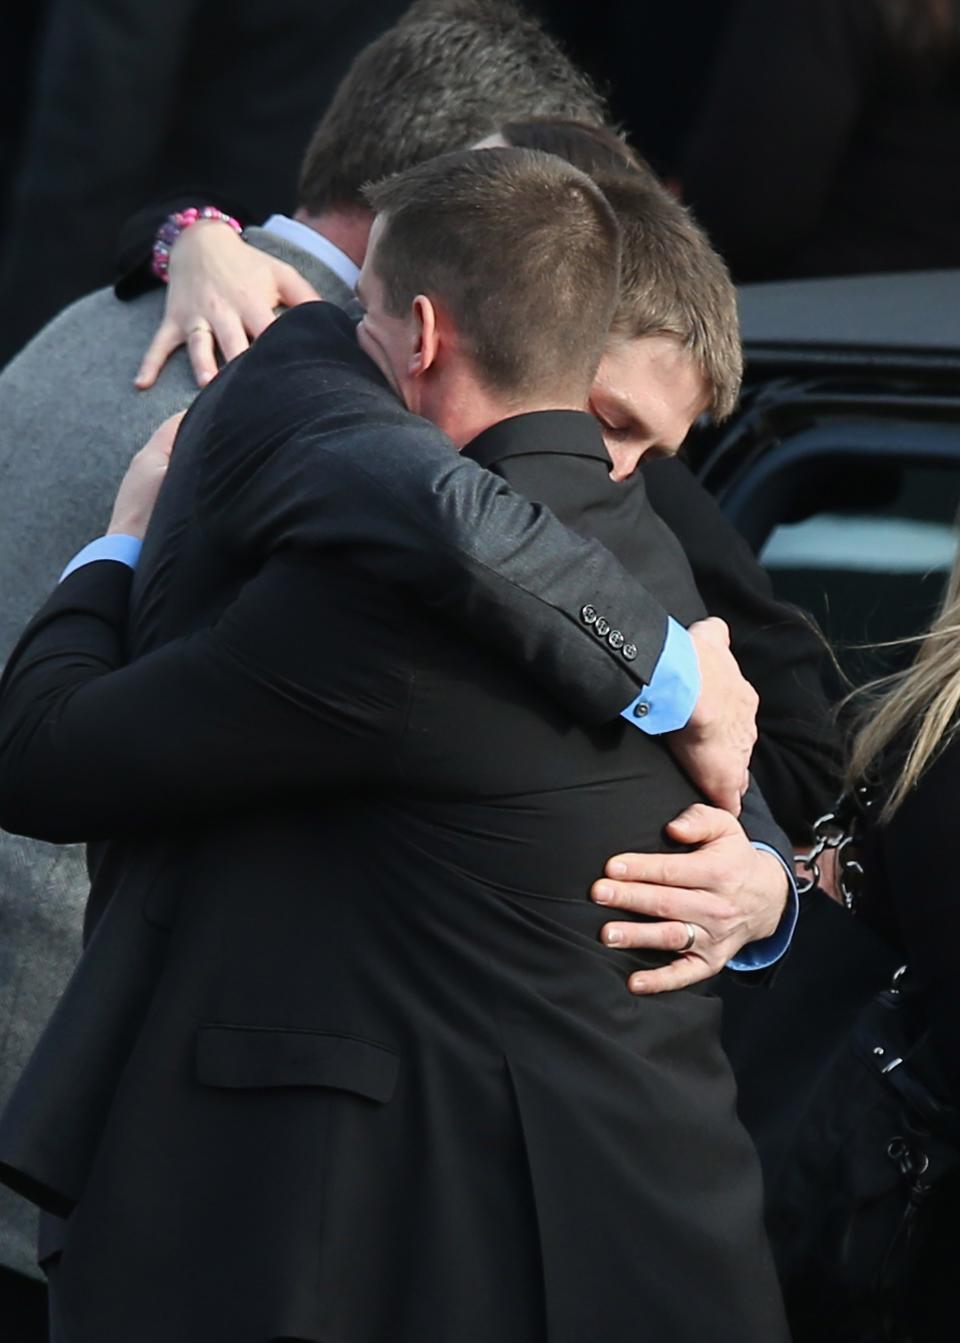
pixel 105 104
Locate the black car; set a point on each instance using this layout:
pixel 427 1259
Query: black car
pixel 842 466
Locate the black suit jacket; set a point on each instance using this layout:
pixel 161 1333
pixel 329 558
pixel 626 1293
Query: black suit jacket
pixel 796 761
pixel 797 758
pixel 305 447
pixel 480 555
pixel 355 991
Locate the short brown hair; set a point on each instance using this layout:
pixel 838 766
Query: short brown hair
pixel 520 248
pixel 673 283
pixel 591 148
pixel 442 78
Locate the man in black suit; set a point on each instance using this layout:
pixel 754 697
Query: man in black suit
pixel 413 1102
pixel 437 83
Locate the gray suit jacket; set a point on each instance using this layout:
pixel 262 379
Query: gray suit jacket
pixel 70 420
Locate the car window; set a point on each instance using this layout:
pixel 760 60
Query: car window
pixel 871 573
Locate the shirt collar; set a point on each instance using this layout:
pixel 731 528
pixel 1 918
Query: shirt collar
pixel 301 235
pixel 571 433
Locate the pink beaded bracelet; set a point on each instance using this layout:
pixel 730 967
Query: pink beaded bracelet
pixel 171 228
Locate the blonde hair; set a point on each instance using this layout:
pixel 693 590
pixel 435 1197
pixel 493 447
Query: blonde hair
pixel 923 700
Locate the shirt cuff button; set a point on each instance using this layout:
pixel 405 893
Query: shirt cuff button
pixel 641 710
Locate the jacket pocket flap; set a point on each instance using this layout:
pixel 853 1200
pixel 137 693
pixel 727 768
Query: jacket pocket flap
pixel 263 1056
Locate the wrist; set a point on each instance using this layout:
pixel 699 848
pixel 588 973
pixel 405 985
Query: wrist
pixel 667 700
pixel 174 225
pixel 701 718
pixel 117 548
pixel 125 525
pixel 774 871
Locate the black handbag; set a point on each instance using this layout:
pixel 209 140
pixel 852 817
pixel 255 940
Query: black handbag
pixel 874 1161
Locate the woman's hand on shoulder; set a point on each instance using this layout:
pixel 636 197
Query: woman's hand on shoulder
pixel 222 294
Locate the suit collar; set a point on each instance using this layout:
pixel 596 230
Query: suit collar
pixel 569 433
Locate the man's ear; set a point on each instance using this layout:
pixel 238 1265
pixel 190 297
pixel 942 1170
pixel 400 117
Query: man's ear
pixel 428 340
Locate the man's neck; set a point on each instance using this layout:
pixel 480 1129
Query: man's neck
pixel 348 229
pixel 467 410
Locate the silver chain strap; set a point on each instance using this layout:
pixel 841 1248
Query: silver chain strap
pixel 840 830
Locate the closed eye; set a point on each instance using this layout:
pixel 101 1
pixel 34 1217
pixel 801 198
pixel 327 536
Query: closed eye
pixel 619 432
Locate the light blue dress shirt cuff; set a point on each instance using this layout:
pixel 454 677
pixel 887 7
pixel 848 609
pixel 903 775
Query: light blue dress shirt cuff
pixel 758 955
pixel 125 549
pixel 665 705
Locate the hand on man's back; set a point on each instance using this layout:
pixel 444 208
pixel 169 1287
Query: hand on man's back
pixel 715 747
pixel 137 495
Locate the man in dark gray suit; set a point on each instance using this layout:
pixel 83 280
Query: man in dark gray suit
pixel 257 439
pixel 69 413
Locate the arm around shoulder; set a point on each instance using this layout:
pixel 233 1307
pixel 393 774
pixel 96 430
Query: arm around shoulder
pixel 351 468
